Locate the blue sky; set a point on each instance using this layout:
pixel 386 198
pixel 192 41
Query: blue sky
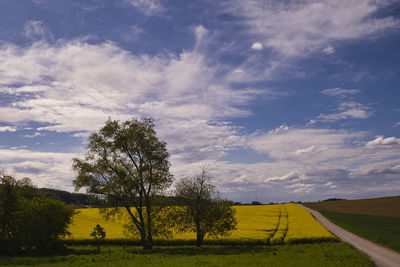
pixel 281 100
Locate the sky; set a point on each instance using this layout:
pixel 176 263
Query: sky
pixel 280 100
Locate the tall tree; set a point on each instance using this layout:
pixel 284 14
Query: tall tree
pixel 127 166
pixel 203 211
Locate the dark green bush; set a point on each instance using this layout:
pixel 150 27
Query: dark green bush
pixel 29 222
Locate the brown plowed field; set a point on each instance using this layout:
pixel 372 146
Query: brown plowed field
pixel 386 206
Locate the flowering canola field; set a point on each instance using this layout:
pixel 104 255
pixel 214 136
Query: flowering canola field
pixel 272 224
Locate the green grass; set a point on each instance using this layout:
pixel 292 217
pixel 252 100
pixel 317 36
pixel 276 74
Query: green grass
pixel 323 254
pixel 380 229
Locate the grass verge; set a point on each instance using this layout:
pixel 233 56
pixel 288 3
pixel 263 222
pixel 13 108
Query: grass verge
pixel 380 229
pixel 323 254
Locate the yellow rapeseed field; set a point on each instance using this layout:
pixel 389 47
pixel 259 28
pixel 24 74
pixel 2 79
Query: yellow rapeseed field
pixel 284 223
pixel 301 225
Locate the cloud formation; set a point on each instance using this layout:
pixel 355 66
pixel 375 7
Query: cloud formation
pixel 7 129
pixel 329 50
pixel 148 7
pixel 348 110
pixel 199 96
pixel 257 46
pixel 75 86
pixel 340 92
pixel 47 169
pixel 381 142
pixel 297 28
pixel 72 87
pixel 35 30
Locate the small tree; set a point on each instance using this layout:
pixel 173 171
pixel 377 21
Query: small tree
pixel 98 234
pixel 204 212
pixel 127 166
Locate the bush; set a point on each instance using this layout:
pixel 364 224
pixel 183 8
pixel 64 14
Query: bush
pixel 40 222
pixel 31 223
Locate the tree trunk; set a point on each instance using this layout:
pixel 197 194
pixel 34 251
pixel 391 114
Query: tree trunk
pixel 150 241
pixel 147 245
pixel 200 238
pixel 149 225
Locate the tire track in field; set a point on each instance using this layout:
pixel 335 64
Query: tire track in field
pixel 277 226
pixel 383 257
pixel 279 230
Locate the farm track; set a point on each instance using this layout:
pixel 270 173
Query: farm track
pixel 383 257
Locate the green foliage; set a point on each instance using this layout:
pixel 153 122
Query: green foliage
pixel 126 165
pixel 41 221
pixel 8 207
pixel 203 212
pixel 98 234
pixel 380 229
pixel 325 254
pixel 163 220
pixel 29 222
pixel 76 199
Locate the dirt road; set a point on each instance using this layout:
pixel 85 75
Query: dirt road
pixel 382 257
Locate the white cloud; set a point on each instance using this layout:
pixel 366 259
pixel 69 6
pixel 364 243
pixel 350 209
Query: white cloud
pixel 197 140
pixel 76 85
pixel 289 176
pixel 330 185
pixel 337 165
pixel 280 129
pixel 301 188
pixel 316 163
pixel 397 124
pixel 381 142
pixel 36 134
pixel 310 144
pixel 132 34
pixel 340 92
pixel 73 87
pixel 7 129
pixel 384 170
pixel 257 46
pixel 148 7
pixel 348 110
pixel 46 169
pixel 304 150
pixel 40 2
pixel 297 28
pixel 35 30
pixel 329 50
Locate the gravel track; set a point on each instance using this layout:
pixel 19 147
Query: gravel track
pixel 382 257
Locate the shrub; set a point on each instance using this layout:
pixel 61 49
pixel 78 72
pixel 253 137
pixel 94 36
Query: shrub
pixel 29 222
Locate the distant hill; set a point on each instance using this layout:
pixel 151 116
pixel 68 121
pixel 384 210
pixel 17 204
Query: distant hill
pixel 77 199
pixel 84 200
pixel 384 206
